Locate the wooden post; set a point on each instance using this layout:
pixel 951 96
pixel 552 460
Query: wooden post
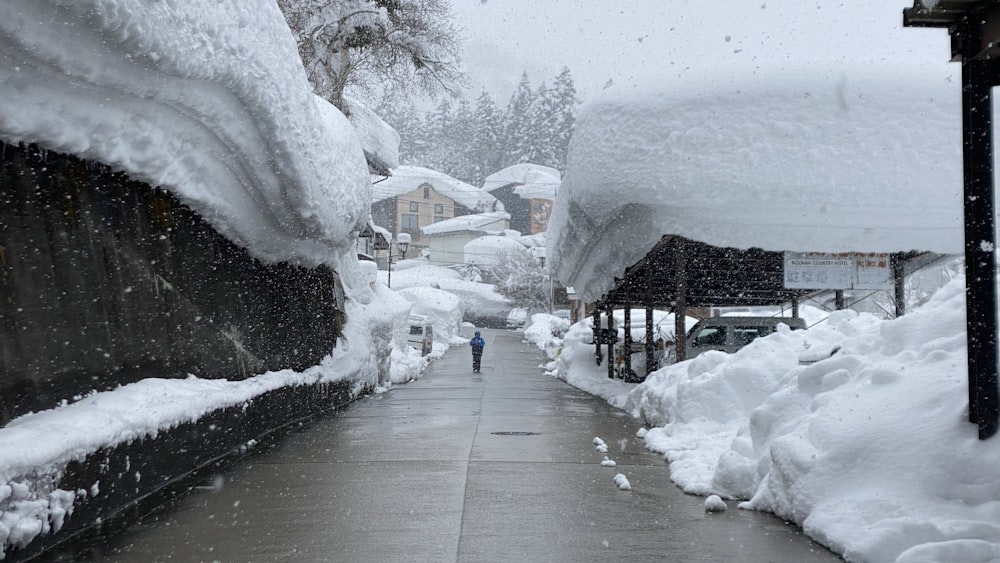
pixel 795 307
pixel 680 305
pixel 839 299
pixel 650 345
pixel 612 334
pixel 627 343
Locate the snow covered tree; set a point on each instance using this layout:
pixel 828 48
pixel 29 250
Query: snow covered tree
pixel 520 277
pixel 563 116
pixel 488 128
pixel 360 43
pixel 518 130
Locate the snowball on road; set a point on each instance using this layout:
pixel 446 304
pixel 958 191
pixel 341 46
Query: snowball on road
pixel 714 503
pixel 622 482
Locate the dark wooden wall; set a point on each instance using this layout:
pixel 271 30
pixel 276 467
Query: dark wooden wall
pixel 105 281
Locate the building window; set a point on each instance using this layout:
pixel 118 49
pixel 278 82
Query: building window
pixel 439 209
pixel 414 207
pixel 439 218
pixel 411 222
pixel 427 192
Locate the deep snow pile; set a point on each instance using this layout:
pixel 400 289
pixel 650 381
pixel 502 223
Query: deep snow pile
pixel 478 298
pixel 825 159
pixel 443 310
pixel 204 98
pixel 546 331
pixel 869 450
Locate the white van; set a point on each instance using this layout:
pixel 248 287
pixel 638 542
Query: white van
pixel 729 334
pixel 420 334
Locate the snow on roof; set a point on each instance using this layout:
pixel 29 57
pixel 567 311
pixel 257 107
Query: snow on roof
pixel 379 140
pixel 487 250
pixel 814 160
pixel 531 180
pixel 408 178
pixel 481 222
pixel 206 99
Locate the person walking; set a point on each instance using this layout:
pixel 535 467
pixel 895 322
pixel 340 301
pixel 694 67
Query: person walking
pixel 477 344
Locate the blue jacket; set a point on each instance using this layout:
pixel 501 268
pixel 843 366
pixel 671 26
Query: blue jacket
pixel 477 343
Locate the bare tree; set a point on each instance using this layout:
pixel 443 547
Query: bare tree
pixel 397 44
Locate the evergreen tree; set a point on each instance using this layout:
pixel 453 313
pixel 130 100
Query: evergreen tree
pixel 488 131
pixel 517 130
pixel 565 105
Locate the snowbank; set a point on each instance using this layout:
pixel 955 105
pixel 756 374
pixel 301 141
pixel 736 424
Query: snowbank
pixel 820 159
pixel 869 450
pixel 479 298
pixel 207 99
pixel 443 310
pixel 36 448
pixel 546 331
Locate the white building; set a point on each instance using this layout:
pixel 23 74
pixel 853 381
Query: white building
pixel 447 239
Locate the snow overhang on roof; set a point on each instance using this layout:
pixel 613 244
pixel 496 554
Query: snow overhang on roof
pixel 826 160
pixel 379 140
pixel 479 223
pixel 203 98
pixel 530 180
pixel 408 178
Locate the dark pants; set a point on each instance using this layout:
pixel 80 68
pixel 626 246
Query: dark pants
pixel 476 359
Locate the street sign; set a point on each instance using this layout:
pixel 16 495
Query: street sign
pixel 844 270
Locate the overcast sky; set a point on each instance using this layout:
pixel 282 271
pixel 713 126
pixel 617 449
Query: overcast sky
pixel 626 40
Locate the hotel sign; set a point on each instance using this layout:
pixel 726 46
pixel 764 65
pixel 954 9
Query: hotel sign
pixel 844 270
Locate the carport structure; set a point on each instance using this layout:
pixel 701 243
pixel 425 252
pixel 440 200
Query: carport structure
pixel 679 273
pixel 689 195
pixel 974 26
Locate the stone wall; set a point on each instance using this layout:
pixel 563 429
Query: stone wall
pixel 105 281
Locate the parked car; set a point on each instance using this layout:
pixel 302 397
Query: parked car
pixel 420 334
pixel 517 318
pixel 729 334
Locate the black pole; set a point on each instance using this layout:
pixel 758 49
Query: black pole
pixel 612 336
pixel 597 333
pixel 899 279
pixel 650 350
pixel 980 243
pixel 680 305
pixel 627 343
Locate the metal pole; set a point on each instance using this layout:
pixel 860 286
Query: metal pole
pixel 980 244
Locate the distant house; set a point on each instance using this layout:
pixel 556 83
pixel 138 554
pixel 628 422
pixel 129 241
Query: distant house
pixel 447 239
pixel 527 192
pixel 415 197
pixel 371 240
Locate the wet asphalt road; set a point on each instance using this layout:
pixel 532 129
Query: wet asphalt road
pixel 497 466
